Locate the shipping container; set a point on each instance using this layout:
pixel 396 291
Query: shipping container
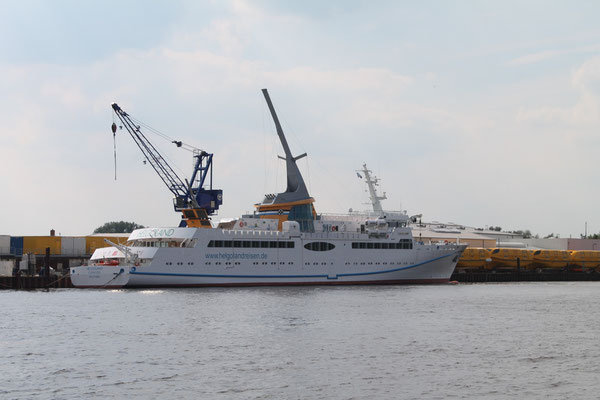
pixel 66 245
pixel 96 242
pixel 72 246
pixel 38 244
pixel 79 246
pixel 5 244
pixel 16 245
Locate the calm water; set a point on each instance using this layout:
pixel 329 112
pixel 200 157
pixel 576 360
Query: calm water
pixel 533 340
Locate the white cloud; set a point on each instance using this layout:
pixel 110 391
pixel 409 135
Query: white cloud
pixel 587 77
pixel 584 113
pixel 535 57
pixel 546 55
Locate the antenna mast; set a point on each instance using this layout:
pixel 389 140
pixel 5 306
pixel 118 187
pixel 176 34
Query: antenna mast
pixel 372 181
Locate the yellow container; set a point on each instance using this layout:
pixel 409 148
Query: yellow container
pixel 551 258
pixel 585 258
pixel 474 258
pixel 38 244
pixel 511 258
pixel 96 242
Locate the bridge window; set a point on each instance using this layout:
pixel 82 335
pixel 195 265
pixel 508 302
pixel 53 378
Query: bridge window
pixel 303 214
pixel 404 244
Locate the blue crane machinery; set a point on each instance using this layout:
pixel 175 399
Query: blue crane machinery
pixel 192 199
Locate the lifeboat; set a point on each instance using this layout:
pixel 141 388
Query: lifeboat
pixel 585 258
pixel 112 262
pixel 505 258
pixel 474 258
pixel 551 258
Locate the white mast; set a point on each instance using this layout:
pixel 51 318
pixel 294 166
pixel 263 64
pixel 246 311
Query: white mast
pixel 372 181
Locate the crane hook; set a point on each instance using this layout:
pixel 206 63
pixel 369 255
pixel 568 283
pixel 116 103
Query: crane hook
pixel 114 130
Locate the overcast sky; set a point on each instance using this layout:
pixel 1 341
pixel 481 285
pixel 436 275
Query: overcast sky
pixel 474 112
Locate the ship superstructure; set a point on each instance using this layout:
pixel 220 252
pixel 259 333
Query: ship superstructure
pixel 284 242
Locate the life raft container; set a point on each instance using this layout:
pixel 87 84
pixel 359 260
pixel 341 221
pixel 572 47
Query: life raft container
pixel 109 262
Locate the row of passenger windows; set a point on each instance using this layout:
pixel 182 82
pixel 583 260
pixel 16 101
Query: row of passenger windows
pixel 256 244
pixel 402 244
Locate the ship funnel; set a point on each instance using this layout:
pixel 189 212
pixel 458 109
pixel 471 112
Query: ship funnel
pixel 296 188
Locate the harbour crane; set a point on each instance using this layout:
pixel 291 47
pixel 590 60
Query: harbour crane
pixel 195 202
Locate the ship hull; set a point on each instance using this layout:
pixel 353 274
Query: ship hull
pixel 100 276
pixel 434 269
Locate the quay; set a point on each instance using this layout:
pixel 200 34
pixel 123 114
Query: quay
pixel 524 276
pixel 34 282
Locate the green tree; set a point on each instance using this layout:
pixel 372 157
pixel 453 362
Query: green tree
pixel 525 233
pixel 118 227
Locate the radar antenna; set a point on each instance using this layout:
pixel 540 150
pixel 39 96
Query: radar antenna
pixel 372 181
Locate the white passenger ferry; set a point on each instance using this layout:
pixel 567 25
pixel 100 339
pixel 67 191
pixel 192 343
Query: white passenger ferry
pixel 284 242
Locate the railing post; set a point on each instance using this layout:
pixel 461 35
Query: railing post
pixel 47 266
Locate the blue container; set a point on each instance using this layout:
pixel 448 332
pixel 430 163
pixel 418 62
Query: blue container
pixel 16 245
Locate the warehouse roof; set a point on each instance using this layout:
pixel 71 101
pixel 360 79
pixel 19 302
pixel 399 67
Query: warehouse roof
pixel 465 233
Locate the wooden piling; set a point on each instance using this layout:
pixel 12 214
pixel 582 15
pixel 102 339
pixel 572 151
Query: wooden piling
pixel 34 282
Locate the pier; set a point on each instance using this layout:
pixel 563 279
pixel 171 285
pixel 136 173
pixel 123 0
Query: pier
pixel 525 276
pixel 34 282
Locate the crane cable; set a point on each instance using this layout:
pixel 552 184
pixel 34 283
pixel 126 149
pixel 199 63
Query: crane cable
pixel 114 131
pixel 139 124
pixel 177 143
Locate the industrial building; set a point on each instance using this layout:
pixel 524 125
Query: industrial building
pixel 453 233
pixel 477 237
pixel 555 243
